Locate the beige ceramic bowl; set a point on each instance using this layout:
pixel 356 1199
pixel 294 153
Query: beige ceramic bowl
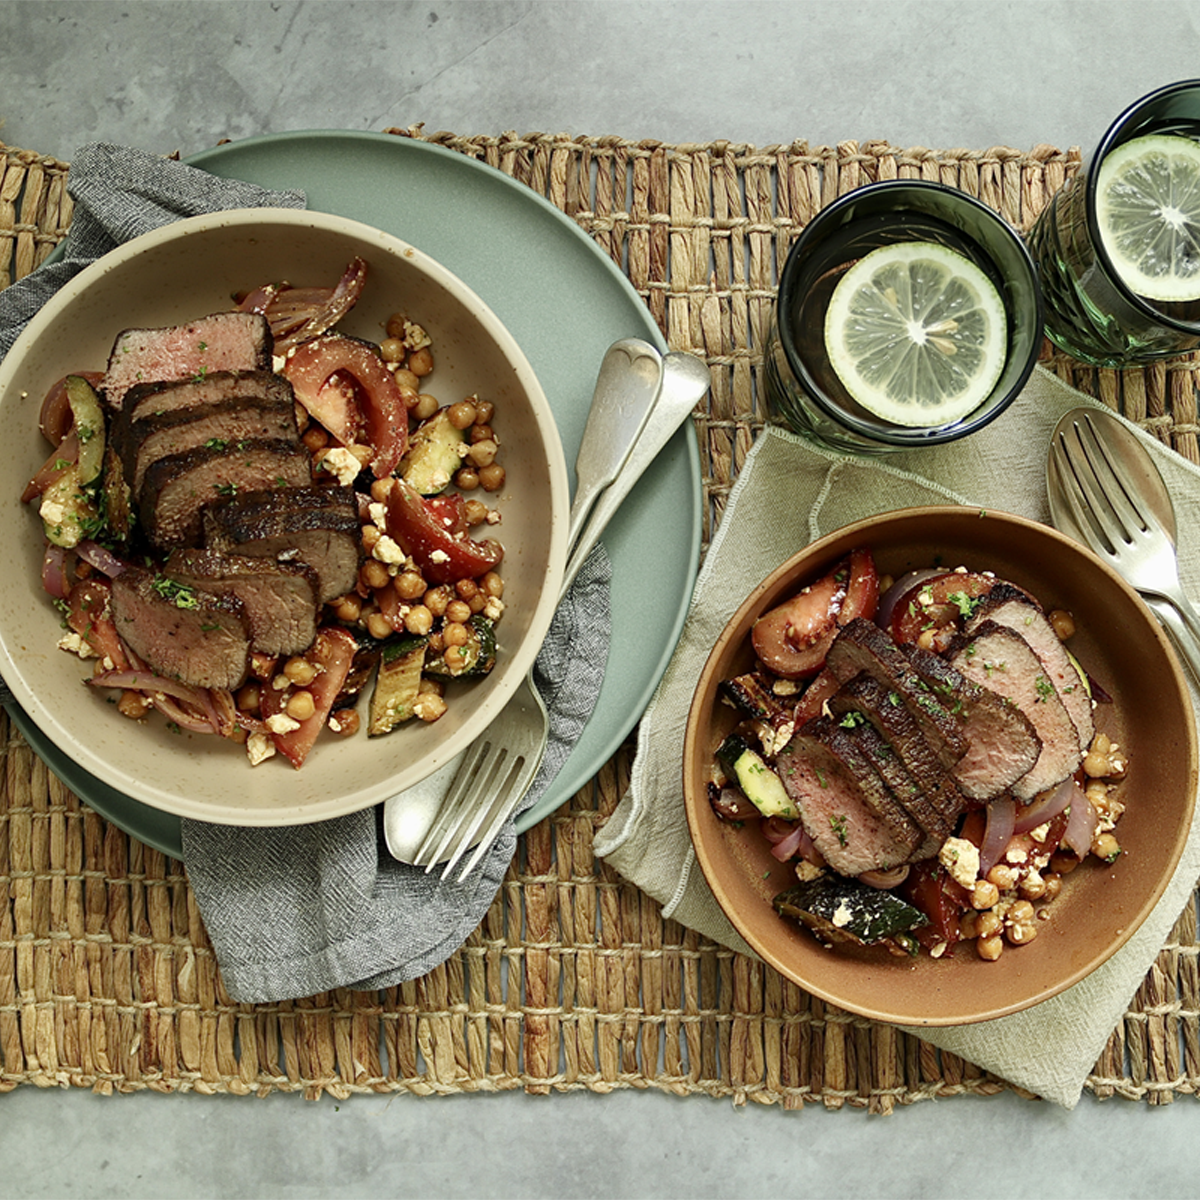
pixel 193 268
pixel 1121 647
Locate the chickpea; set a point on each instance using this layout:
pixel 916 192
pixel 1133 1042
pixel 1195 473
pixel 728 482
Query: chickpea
pixel 461 415
pixel 484 411
pixel 477 603
pixel 475 510
pixel 420 362
pixel 301 706
pixel 985 894
pixel 133 705
pixel 395 325
pixel 425 406
pixel 968 925
pixel 466 588
pixel 430 687
pixel 418 620
pixel 299 671
pixel 1063 624
pixel 373 574
pixel 491 478
pixel 429 708
pixel 1053 884
pixel 988 924
pixel 483 454
pixel 1032 887
pixel 437 599
pixel 348 608
pixel 990 948
pixel 458 611
pixel 378 626
pixel 409 585
pixel 1022 934
pixel 381 489
pixel 1107 847
pixel 1063 864
pixel 314 438
pixel 454 634
pixel 436 643
pixel 492 584
pixel 345 722
pixel 467 480
pixel 1095 766
pixel 370 535
pixel 408 384
pixel 248 697
pixel 392 349
pixel 1003 876
pixel 481 433
pixel 454 658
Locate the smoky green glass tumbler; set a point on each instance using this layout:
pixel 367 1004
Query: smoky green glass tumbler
pixel 1091 312
pixel 802 389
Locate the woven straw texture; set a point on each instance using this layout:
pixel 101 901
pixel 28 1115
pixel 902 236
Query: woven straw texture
pixel 574 981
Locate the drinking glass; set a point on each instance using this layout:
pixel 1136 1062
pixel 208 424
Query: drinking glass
pixel 1091 313
pixel 802 389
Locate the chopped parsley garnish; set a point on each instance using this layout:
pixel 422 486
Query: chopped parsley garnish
pixel 838 824
pixel 177 593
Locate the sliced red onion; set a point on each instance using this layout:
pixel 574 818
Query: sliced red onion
pixel 998 832
pixel 338 303
pixel 885 880
pixel 54 571
pixel 105 561
pixel 173 711
pixel 1047 806
pixel 1082 822
pixel 901 588
pixel 789 846
pixel 147 681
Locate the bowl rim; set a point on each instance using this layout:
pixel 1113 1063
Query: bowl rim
pixel 181 802
pixel 704 697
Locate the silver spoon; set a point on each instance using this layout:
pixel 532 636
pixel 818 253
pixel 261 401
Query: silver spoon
pixel 1106 492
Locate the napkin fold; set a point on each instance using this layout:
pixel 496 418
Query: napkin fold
pixel 790 493
pixel 304 909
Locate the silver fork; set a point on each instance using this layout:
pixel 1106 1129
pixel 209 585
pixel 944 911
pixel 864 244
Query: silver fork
pixel 499 769
pixel 1106 492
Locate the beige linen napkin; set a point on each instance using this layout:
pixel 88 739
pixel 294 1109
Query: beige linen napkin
pixel 790 493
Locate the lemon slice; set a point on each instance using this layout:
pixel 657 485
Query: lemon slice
pixel 1148 210
pixel 917 334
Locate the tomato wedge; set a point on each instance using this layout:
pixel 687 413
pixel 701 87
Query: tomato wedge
pixel 792 639
pixel 344 384
pixel 937 602
pixel 88 614
pixel 420 530
pixel 332 653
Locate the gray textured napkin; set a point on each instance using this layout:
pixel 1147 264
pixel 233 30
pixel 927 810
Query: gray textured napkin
pixel 788 494
pixel 300 910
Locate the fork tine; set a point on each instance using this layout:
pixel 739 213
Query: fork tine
pixel 1104 518
pixel 462 791
pixel 489 817
pixel 1072 474
pixel 1113 481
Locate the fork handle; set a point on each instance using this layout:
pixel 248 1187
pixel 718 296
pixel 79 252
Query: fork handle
pixel 1180 631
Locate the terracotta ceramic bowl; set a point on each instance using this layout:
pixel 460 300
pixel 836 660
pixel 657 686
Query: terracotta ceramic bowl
pixel 1122 648
pixel 190 269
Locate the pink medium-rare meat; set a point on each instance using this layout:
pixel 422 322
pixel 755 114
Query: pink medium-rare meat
pixel 997 657
pixel 1007 605
pixel 224 341
pixel 202 640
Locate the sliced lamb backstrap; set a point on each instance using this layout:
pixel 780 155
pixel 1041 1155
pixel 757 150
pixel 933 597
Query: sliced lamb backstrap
pixel 997 657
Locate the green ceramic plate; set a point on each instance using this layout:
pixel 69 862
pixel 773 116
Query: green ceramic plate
pixel 565 302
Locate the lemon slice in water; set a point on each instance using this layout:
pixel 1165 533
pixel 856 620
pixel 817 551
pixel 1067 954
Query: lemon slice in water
pixel 1148 210
pixel 917 334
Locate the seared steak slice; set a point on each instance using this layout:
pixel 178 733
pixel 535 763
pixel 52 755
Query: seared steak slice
pixel 280 599
pixel 176 488
pixel 862 646
pixel 315 525
pixel 1007 605
pixel 941 802
pixel 224 341
pixel 843 826
pixel 999 658
pixel 201 639
pixel 1002 744
pixel 163 396
pixel 221 424
pixel 842 742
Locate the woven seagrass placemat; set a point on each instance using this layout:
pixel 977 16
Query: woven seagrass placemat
pixel 574 980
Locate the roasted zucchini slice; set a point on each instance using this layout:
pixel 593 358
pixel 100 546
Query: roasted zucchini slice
pixel 838 909
pixel 397 684
pixel 476 658
pixel 761 786
pixel 434 454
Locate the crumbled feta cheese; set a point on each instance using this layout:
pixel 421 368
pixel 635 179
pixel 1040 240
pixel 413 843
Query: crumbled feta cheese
pixel 937 950
pixel 806 871
pixel 280 682
pixel 74 644
pixel 1016 855
pixel 961 858
pixel 415 338
pixel 259 748
pixel 278 362
pixel 1041 832
pixel 493 608
pixel 282 723
pixel 52 511
pixel 378 513
pixel 842 915
pixel 785 687
pixel 386 551
pixel 342 464
pixel 493 517
pixel 439 556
